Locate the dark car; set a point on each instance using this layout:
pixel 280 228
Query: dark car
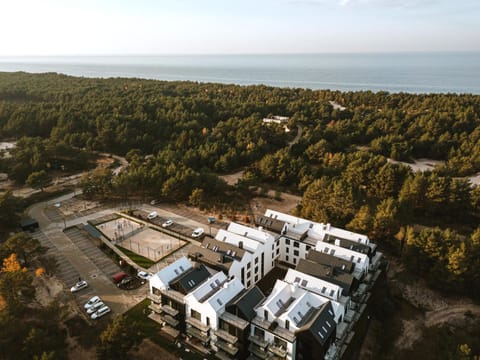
pixel 125 282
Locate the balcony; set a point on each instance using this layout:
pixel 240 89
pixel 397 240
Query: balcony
pixel 278 350
pixel 156 307
pixel 197 323
pixel 169 310
pixel 258 341
pixel 229 348
pixel 273 328
pixel 222 355
pixel 154 297
pixel 226 336
pixel 234 320
pixel 169 320
pixel 259 353
pixel 200 335
pixel 174 295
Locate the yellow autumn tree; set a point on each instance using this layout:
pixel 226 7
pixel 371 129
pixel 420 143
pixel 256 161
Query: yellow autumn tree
pixel 11 264
pixel 39 272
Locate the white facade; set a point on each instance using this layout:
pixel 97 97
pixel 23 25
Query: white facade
pixel 210 298
pixel 287 305
pixel 261 251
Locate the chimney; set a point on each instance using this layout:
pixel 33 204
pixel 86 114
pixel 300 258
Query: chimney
pixel 240 244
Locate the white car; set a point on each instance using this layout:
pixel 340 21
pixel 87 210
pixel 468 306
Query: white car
pixel 100 312
pixel 152 215
pixel 92 302
pixel 79 286
pixel 144 275
pixel 198 232
pixel 167 223
pixel 95 307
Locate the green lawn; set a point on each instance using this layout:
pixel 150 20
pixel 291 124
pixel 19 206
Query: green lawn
pixel 137 259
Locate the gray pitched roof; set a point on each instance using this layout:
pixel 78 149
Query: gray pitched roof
pixel 321 324
pixel 189 280
pixel 269 223
pixel 244 305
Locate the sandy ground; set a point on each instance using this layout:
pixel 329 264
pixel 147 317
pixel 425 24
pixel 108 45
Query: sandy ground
pixel 118 228
pixel 232 179
pixel 286 203
pixel 152 244
pixel 439 309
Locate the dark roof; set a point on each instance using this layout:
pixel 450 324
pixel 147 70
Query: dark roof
pixel 330 260
pixel 269 223
pixel 244 305
pixel 28 222
pixel 321 324
pixel 331 274
pixel 92 231
pixel 189 280
pixel 348 244
pixel 217 254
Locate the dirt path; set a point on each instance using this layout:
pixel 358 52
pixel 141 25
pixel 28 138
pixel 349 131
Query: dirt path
pixel 297 138
pixel 438 309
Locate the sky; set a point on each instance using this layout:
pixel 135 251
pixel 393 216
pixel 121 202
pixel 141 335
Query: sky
pixel 140 27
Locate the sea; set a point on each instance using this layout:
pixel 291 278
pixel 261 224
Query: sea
pixel 416 72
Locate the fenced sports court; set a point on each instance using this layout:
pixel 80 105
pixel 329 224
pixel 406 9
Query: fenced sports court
pixel 140 239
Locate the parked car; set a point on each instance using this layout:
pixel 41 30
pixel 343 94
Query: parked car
pixel 100 312
pixel 119 277
pixel 125 281
pixel 82 284
pixel 152 215
pixel 92 302
pixel 144 275
pixel 95 307
pixel 167 223
pixel 198 232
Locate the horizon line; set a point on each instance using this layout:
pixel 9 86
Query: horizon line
pixel 250 54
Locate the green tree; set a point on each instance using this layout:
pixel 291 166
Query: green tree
pixel 38 180
pixel 385 222
pixel 117 339
pixel 24 246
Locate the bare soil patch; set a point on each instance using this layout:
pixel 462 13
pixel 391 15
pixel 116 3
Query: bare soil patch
pixel 148 350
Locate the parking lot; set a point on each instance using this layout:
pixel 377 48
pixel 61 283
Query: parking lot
pixel 103 262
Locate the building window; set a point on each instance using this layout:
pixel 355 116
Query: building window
pixel 278 251
pixel 287 242
pixel 256 269
pixel 256 260
pixel 296 244
pixel 249 274
pixel 294 260
pixel 259 333
pixel 273 247
pixel 208 321
pixel 249 265
pixel 287 324
pixel 195 314
pixel 286 258
pixel 248 284
pixel 265 315
pixel 308 247
pixel 287 250
pixel 256 278
pixel 295 252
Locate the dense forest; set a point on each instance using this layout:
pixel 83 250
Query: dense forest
pixel 179 136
